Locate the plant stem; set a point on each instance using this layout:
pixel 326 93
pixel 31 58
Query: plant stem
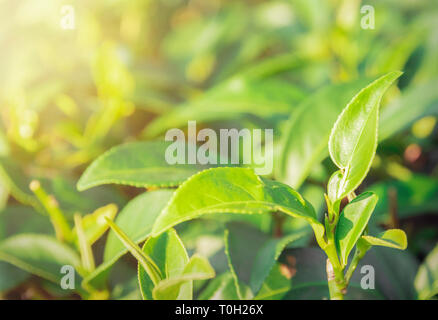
pixel 335 272
pixel 84 247
pixel 360 252
pixel 57 217
pixel 278 225
pixel 336 293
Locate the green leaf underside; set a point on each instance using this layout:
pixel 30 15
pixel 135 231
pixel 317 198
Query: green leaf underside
pixel 426 280
pixel 198 268
pixel 233 190
pixel 352 222
pixel 353 140
pixel 393 238
pixel 138 164
pixel 38 254
pixel 169 254
pixel 136 220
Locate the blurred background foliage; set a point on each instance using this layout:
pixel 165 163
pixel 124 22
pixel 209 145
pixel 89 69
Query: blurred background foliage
pixel 130 70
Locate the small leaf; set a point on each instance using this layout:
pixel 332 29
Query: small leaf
pixel 304 142
pixel 15 219
pixel 94 224
pixel 352 222
pixel 143 259
pixel 168 253
pixel 138 164
pixel 136 220
pixel 426 281
pixel 38 254
pixel 234 190
pixel 393 238
pixel 198 268
pixel 353 140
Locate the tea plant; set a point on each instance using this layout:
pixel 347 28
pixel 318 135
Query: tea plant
pixel 165 271
pixel 84 179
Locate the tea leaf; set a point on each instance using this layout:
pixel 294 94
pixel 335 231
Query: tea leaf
pixel 353 140
pixel 302 149
pixel 198 268
pixel 138 164
pixel 393 238
pixel 136 220
pixel 304 142
pixel 426 281
pixel 168 253
pixel 38 254
pixel 352 222
pixel 143 259
pixel 94 224
pixel 234 190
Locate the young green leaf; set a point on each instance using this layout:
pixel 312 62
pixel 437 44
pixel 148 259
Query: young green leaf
pixel 94 224
pixel 136 220
pixel 304 142
pixel 352 222
pixel 234 190
pixel 198 268
pixel 143 259
pixel 393 238
pixel 138 164
pixel 353 140
pixel 170 256
pixel 426 281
